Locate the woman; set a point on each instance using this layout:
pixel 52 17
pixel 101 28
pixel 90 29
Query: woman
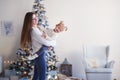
pixel 32 35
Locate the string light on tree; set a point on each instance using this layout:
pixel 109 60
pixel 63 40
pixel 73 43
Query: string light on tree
pixel 22 66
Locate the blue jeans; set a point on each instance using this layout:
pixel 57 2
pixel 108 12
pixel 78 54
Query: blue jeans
pixel 40 65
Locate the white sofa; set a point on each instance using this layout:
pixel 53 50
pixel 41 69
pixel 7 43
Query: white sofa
pixel 1 64
pixel 96 61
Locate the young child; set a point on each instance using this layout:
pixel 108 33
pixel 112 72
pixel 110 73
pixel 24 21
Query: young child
pixel 48 34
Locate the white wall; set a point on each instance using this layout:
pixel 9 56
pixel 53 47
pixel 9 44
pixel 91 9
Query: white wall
pixel 12 10
pixel 88 21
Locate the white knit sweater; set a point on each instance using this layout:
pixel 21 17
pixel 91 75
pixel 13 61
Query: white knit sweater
pixel 38 40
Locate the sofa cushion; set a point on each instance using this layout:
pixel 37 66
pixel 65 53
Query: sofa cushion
pixel 98 52
pixel 104 70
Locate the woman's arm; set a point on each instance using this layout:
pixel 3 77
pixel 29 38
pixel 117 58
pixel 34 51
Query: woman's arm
pixel 50 34
pixel 36 36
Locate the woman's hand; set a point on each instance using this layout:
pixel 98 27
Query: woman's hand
pixel 44 35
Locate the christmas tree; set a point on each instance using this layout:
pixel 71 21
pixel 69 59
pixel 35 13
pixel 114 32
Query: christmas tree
pixel 22 66
pixel 40 10
pixel 51 58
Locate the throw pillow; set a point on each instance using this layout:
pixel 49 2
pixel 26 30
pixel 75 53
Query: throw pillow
pixel 93 63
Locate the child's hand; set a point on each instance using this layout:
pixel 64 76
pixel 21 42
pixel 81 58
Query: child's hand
pixel 44 35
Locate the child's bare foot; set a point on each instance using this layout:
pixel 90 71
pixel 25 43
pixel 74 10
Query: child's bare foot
pixel 32 57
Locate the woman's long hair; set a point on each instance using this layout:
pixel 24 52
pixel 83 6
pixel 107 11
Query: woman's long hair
pixel 26 30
